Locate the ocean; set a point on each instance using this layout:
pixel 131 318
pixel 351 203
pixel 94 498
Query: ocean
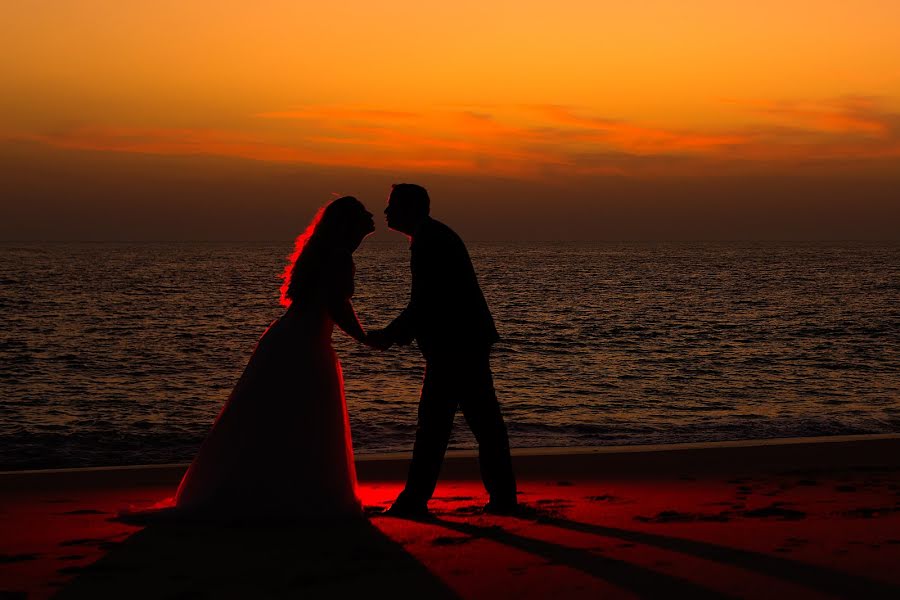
pixel 115 354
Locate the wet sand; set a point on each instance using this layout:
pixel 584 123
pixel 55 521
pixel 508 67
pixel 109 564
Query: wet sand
pixel 802 518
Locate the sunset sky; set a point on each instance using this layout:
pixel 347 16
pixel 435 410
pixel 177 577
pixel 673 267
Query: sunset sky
pixel 693 119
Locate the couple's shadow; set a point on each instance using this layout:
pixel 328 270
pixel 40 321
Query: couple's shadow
pixel 171 560
pixel 337 560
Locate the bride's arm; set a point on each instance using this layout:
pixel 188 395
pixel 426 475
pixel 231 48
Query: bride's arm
pixel 341 310
pixel 340 292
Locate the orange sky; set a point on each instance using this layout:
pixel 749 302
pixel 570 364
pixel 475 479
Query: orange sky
pixel 535 92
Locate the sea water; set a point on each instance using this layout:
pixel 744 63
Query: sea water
pixel 124 353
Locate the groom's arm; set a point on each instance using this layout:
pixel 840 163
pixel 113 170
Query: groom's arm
pixel 401 330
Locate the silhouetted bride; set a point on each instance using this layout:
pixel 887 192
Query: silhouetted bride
pixel 281 446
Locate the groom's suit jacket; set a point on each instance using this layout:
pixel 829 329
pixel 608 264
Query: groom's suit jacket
pixel 447 312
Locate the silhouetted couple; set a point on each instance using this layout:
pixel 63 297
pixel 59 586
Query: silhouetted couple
pixel 281 446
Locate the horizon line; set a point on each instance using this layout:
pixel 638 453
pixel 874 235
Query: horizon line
pixel 469 241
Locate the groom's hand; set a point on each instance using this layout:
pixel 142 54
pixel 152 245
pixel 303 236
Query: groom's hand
pixel 379 339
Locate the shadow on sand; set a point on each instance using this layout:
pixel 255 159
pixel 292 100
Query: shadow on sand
pixel 822 579
pixel 202 560
pixel 646 582
pixel 642 581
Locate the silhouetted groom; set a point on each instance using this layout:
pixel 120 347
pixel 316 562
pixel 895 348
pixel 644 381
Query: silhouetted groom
pixel 448 316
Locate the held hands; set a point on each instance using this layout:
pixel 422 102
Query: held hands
pixel 378 339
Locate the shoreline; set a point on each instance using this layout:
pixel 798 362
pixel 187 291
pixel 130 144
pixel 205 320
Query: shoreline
pixel 692 459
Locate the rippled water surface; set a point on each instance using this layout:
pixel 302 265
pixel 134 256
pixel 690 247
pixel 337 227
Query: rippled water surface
pixel 121 354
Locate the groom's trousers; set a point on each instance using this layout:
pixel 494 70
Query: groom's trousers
pixel 460 379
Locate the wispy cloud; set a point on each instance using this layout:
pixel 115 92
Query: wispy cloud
pixel 521 141
pixel 319 113
pixel 631 137
pixel 848 115
pixel 177 141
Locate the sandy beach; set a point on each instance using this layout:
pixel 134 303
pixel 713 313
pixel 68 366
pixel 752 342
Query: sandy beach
pixel 802 518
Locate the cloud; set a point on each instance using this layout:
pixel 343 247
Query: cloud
pixel 318 113
pixel 169 141
pixel 524 142
pixel 848 115
pixel 634 138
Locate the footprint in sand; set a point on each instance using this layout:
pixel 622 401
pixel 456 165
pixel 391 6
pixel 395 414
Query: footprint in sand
pixel 674 516
pixel 601 498
pixel 775 510
pixel 101 543
pixel 871 512
pixel 553 502
pixel 472 509
pixel 12 558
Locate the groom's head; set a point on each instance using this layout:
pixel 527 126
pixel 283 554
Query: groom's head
pixel 408 206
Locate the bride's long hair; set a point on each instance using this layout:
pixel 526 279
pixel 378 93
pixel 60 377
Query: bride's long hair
pixel 321 231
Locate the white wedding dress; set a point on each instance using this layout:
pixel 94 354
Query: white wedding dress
pixel 281 446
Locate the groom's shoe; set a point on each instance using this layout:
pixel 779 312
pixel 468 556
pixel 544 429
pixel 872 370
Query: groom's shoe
pixel 408 510
pixel 508 508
